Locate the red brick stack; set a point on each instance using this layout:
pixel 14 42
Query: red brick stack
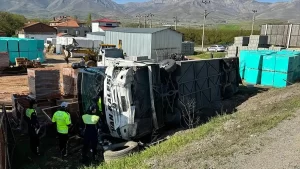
pixel 4 60
pixel 43 83
pixel 69 77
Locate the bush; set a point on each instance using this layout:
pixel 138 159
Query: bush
pixel 213 36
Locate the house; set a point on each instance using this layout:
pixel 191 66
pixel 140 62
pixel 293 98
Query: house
pixel 37 30
pixel 104 24
pixel 2 34
pixel 156 43
pixel 60 19
pixel 72 27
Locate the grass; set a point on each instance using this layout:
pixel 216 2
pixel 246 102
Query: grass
pixel 207 55
pixel 245 123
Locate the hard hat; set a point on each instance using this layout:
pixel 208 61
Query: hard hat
pixel 64 104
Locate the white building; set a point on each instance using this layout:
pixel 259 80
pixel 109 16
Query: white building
pixel 156 43
pixel 38 31
pixel 105 24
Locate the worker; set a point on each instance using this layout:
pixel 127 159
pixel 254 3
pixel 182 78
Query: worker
pixel 91 128
pixel 63 121
pixel 33 129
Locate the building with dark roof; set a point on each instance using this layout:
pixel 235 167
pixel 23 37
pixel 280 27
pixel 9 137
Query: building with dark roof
pixel 37 30
pixel 156 43
pixel 101 25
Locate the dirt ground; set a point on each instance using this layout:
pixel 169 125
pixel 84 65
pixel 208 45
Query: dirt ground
pixel 18 84
pixel 278 147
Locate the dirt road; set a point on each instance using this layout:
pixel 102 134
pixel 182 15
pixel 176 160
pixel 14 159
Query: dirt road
pixel 18 84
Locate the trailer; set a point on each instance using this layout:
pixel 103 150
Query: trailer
pixel 142 97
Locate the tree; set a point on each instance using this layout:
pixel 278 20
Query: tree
pixel 89 20
pixel 10 23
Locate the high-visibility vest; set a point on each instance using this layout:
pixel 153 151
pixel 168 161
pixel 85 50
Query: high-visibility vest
pixel 29 112
pixel 100 104
pixel 90 119
pixel 62 120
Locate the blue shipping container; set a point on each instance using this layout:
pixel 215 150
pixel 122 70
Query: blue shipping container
pixel 269 62
pixel 32 45
pixel 32 55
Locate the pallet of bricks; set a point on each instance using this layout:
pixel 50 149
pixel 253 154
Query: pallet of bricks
pixel 188 48
pixel 240 43
pixel 69 80
pixel 4 63
pixel 43 83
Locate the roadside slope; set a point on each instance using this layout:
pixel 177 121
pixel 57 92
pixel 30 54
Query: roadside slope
pixel 265 125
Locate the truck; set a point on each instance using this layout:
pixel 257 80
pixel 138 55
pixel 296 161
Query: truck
pixel 142 97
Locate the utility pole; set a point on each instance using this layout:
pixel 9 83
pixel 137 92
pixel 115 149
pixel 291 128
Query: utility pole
pixel 175 20
pixel 253 20
pixel 151 15
pixel 205 2
pixel 139 17
pixel 145 21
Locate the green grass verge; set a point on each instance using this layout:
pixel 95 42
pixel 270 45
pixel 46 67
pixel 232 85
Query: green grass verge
pixel 249 122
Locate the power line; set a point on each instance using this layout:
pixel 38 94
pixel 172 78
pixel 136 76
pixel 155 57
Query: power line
pixel 253 20
pixel 139 18
pixel 176 21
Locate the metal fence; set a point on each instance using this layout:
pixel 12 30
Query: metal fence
pixel 282 35
pixel 5 139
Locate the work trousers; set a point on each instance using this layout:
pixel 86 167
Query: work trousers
pixel 63 141
pixel 89 144
pixel 34 142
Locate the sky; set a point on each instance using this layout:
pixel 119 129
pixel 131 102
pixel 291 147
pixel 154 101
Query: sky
pixel 125 1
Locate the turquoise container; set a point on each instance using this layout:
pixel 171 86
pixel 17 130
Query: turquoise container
pixel 40 45
pixel 13 56
pixel 23 45
pixel 32 44
pixel 242 63
pixel 32 55
pixel 269 62
pixel 41 56
pixel 254 60
pixel 285 64
pixel 23 55
pixel 267 78
pixel 253 76
pixel 13 45
pixel 282 80
pixel 3 45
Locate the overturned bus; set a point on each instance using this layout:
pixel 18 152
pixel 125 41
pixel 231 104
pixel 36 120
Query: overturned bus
pixel 141 97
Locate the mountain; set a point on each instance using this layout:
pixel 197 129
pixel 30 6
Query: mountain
pixel 164 10
pixel 192 10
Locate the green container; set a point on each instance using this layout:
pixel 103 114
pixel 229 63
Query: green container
pixel 32 55
pixel 282 80
pixel 3 45
pixel 267 78
pixel 253 76
pixel 13 45
pixel 41 56
pixel 40 45
pixel 23 45
pixel 269 62
pixel 23 54
pixel 32 44
pixel 13 56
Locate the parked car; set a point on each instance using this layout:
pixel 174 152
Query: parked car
pixel 216 48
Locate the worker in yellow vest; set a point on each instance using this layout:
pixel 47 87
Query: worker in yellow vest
pixel 91 128
pixel 63 121
pixel 33 129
